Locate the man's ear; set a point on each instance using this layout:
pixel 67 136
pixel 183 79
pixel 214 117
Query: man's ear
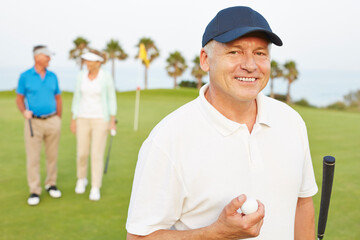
pixel 204 61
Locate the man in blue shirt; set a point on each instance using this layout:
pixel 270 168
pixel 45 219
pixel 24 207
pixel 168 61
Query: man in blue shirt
pixel 39 100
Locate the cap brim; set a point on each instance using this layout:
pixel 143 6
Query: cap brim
pixel 92 57
pixel 48 53
pixel 239 32
pixel 44 51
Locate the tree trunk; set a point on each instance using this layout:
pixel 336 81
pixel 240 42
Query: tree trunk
pixel 175 83
pixel 199 83
pixel 272 88
pixel 288 98
pixel 146 78
pixel 113 68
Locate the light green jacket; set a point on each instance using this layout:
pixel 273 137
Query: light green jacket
pixel 108 95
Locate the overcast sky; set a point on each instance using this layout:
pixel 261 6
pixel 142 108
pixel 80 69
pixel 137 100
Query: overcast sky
pixel 317 34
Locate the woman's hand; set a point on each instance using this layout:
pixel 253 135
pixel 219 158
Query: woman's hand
pixel 112 123
pixel 73 126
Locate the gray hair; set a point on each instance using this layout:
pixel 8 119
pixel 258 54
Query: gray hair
pixel 209 47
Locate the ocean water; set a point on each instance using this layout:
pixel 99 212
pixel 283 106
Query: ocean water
pixel 318 87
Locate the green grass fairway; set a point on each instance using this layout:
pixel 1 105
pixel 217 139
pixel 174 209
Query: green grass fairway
pixel 75 217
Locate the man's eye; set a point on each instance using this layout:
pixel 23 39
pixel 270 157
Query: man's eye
pixel 260 53
pixel 233 52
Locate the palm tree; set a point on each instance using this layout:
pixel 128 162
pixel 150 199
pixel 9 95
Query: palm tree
pixel 197 72
pixel 176 66
pixel 81 46
pixel 291 74
pixel 276 72
pixel 114 51
pixel 152 53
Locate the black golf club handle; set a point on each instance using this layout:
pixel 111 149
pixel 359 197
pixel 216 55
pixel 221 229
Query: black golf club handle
pixel 327 182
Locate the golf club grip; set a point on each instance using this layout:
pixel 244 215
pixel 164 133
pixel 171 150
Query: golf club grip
pixel 327 182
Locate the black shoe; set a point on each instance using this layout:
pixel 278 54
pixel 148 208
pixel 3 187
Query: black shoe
pixel 33 199
pixel 53 191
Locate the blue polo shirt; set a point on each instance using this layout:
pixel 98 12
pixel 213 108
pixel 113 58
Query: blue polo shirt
pixel 39 93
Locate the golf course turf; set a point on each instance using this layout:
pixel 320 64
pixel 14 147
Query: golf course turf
pixel 76 217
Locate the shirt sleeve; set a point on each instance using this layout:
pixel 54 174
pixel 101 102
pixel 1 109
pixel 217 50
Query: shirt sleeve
pixel 112 96
pixel 157 194
pixel 308 186
pixel 57 89
pixel 76 95
pixel 21 85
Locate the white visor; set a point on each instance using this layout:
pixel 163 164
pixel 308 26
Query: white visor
pixel 92 57
pixel 43 50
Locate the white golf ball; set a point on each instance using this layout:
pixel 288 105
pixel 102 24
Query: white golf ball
pixel 113 132
pixel 249 206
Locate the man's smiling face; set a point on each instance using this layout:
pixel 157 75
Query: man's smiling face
pixel 238 70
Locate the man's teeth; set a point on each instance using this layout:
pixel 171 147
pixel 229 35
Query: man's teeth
pixel 246 79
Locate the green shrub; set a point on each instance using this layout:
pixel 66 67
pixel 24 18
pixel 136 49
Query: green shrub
pixel 337 106
pixel 189 84
pixel 304 102
pixel 280 97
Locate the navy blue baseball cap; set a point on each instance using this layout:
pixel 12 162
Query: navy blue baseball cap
pixel 234 22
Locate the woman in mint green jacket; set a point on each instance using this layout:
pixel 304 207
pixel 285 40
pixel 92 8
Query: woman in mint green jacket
pixel 93 115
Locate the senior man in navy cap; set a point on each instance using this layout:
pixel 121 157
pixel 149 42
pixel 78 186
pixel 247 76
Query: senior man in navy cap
pixel 39 100
pixel 200 164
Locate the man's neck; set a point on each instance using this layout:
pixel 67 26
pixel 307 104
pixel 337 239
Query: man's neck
pixel 40 70
pixel 240 112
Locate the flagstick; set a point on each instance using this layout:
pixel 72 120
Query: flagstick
pixel 137 100
pixel 142 56
pixel 137 104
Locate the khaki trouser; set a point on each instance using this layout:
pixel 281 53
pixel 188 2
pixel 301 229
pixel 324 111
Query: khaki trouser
pixel 47 130
pixel 91 133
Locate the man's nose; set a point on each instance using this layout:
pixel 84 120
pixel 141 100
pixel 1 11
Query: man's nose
pixel 248 63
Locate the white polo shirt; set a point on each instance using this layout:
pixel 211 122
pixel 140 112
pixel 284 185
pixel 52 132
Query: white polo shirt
pixel 195 161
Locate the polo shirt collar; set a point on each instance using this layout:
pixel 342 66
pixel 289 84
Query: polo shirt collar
pixel 33 71
pixel 226 126
pixel 263 115
pixel 99 76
